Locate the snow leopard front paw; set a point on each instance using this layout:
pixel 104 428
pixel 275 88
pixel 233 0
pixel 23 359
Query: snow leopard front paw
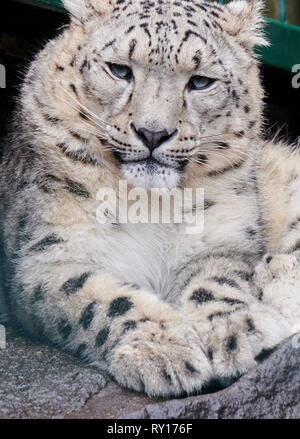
pixel 272 267
pixel 162 359
pixel 277 280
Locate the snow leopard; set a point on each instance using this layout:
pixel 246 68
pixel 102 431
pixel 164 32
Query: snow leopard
pixel 165 95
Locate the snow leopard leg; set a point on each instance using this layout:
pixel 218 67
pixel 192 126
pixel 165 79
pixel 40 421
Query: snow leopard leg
pixel 277 281
pixel 237 330
pixel 143 343
pixel 277 277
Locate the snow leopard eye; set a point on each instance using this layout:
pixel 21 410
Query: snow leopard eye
pixel 200 82
pixel 120 71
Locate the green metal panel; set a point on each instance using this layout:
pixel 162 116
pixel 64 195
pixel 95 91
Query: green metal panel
pixel 56 5
pixel 284 51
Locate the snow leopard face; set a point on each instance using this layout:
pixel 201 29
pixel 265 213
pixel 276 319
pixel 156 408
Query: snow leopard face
pixel 173 84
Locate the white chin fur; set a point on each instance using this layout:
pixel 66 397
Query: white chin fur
pixel 140 176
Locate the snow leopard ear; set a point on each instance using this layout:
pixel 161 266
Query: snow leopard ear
pixel 246 22
pixel 81 10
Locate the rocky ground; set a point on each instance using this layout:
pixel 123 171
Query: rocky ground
pixel 38 381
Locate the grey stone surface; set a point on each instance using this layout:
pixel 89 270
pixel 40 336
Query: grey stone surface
pixel 41 382
pixel 271 391
pixel 38 381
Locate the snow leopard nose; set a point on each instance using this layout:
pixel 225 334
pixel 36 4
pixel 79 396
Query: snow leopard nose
pixel 152 139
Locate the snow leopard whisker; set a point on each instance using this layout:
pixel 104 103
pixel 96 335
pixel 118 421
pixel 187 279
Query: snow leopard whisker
pixel 98 121
pixel 215 136
pixel 223 152
pixel 233 152
pixel 228 161
pixel 216 154
pixel 94 131
pixel 200 162
pixel 100 133
pixel 103 126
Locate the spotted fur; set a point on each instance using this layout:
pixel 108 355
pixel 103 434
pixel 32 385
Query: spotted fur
pixel 164 312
